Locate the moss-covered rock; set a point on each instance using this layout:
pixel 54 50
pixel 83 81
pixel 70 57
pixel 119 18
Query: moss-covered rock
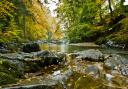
pixel 9 73
pixel 117 33
pixel 6 78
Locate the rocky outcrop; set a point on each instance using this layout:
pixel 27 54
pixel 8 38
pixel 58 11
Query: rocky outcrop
pixel 31 47
pixel 15 65
pixel 32 62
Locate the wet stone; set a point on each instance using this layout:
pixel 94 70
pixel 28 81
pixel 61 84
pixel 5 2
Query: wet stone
pixel 116 62
pixel 92 70
pixel 91 55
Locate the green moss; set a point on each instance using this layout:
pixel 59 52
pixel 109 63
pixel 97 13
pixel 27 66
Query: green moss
pixel 118 33
pixel 6 78
pixel 120 36
pixel 9 73
pixel 100 41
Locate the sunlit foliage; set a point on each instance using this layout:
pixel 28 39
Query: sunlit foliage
pixel 25 20
pixel 89 20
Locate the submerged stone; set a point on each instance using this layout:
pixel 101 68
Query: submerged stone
pixel 92 70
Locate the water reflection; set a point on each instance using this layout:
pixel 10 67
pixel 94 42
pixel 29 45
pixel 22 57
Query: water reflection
pixel 67 48
pixel 64 47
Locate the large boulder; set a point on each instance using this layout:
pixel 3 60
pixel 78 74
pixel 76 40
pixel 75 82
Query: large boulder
pixel 50 58
pixel 34 61
pixel 91 55
pixel 31 47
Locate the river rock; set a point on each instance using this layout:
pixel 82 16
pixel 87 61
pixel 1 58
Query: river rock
pixel 36 86
pixel 115 45
pixel 31 47
pixel 91 55
pixel 116 62
pixel 41 59
pixel 12 56
pixel 34 61
pixel 3 50
pixel 41 53
pixel 92 70
pixel 52 58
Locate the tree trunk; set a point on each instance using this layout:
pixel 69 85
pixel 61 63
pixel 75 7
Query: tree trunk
pixel 122 5
pixel 110 8
pixel 100 14
pixel 24 26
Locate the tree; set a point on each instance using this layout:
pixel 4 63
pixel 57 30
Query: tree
pixel 110 9
pixel 31 18
pixel 8 29
pixel 26 19
pixel 78 15
pixel 6 8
